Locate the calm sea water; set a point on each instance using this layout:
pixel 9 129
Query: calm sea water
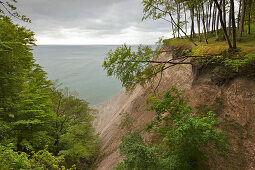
pixel 79 68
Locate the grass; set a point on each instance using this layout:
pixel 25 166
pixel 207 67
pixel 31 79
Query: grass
pixel 245 45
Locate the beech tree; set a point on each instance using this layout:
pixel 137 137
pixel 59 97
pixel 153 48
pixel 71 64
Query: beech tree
pixel 139 67
pixel 24 90
pixel 133 67
pixel 34 117
pixel 209 15
pixel 162 10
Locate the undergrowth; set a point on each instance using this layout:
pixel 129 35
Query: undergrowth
pixel 224 65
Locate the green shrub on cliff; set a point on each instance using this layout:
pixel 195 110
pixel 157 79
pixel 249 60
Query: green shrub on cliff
pixel 185 141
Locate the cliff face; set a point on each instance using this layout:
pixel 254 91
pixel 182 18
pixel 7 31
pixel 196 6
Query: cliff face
pixel 234 103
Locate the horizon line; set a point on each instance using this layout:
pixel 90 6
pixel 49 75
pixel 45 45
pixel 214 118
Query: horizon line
pixel 91 44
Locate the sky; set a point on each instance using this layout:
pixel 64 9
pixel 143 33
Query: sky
pixel 84 22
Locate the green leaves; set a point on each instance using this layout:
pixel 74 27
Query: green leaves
pixel 185 137
pixel 33 113
pixel 9 159
pixel 73 132
pixel 79 145
pixel 137 155
pixel 8 8
pixel 131 67
pixel 43 159
pixel 157 9
pixel 237 63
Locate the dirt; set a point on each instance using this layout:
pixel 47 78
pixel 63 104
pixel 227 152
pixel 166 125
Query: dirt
pixel 234 102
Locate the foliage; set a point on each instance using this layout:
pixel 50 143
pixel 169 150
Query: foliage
pixel 35 114
pixel 127 121
pixel 236 63
pixel 9 159
pixel 231 62
pixel 151 9
pixel 186 137
pixel 137 155
pixel 24 90
pixel 79 145
pixel 131 67
pixel 71 113
pixel 8 7
pixel 43 159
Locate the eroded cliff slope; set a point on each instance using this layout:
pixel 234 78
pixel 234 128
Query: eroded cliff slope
pixel 234 103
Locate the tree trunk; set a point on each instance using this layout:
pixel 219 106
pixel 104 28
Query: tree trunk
pixel 185 16
pixel 239 14
pixel 224 11
pixel 181 29
pixel 217 25
pixel 198 24
pixel 242 19
pixel 249 17
pixel 223 26
pixel 232 11
pixel 192 32
pixel 210 17
pixel 173 29
pixel 207 19
pixel 229 20
pixel 178 20
pixel 214 18
pixel 203 22
pixel 249 23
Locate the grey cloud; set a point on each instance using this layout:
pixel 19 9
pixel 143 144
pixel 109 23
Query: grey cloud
pixel 105 17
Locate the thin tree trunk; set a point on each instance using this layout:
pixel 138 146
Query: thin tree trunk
pixel 214 18
pixel 192 32
pixel 232 11
pixel 242 19
pixel 224 11
pixel 185 15
pixel 249 17
pixel 217 24
pixel 203 21
pixel 239 14
pixel 229 21
pixel 178 20
pixel 207 19
pixel 173 29
pixel 181 29
pixel 198 24
pixel 249 23
pixel 209 16
pixel 223 26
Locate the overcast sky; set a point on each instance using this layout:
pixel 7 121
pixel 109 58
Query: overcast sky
pixel 91 22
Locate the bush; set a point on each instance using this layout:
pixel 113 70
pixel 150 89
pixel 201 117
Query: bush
pixel 186 137
pixel 45 160
pixel 9 159
pixel 79 145
pixel 137 155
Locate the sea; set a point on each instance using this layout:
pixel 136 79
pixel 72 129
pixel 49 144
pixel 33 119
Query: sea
pixel 79 67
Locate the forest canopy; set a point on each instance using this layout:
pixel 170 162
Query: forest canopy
pixel 41 126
